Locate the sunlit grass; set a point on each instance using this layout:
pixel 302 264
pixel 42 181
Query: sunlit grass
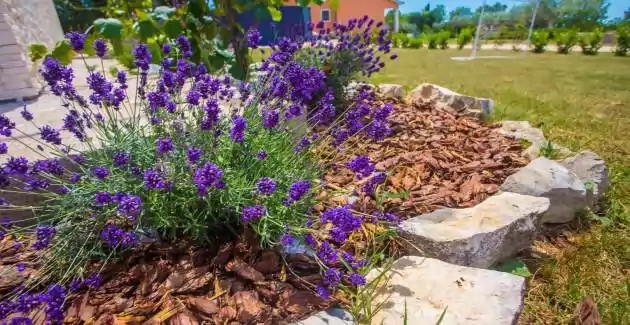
pixel 583 103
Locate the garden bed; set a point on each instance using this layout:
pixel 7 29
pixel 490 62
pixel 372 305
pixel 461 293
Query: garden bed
pixel 433 159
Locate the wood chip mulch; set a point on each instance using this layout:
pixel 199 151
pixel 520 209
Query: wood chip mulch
pixel 434 159
pixel 179 284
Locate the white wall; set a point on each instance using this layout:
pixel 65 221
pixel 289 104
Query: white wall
pixel 23 22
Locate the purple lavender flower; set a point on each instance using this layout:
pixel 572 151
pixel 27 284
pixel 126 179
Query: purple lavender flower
pixel 361 166
pixel 113 236
pixel 265 186
pixel 194 154
pixel 332 277
pixel 164 145
pixel 100 172
pixel 297 191
pixel 75 285
pixel 394 57
pixel 342 218
pixel 21 266
pixel 287 239
pixel 210 175
pixel 154 180
pixel 252 213
pixel 4 148
pixel 271 119
pixel 142 56
pixel 103 198
pixel 378 130
pixel 356 279
pixel 100 47
pixel 75 178
pixel 166 48
pixel 130 206
pixel 337 235
pixel 253 38
pixel 370 186
pixel 237 133
pixel 261 155
pixel 310 240
pixel 327 253
pixel 121 78
pixel 120 159
pixel 6 125
pixel 93 281
pixel 28 116
pixel 184 46
pixel 77 40
pixel 193 97
pixel 44 234
pixel 323 292
pixel 50 135
pixel 382 113
pixel 16 166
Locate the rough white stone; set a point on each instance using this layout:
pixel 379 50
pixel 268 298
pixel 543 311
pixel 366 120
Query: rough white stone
pixel 444 98
pixel 481 236
pixel 425 287
pixel 355 85
pixel 592 171
pixel 333 316
pixel 391 91
pixel 522 130
pixel 547 178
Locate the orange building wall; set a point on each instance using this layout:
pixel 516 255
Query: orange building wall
pixel 349 9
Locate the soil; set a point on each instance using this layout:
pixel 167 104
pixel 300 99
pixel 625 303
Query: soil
pixel 434 159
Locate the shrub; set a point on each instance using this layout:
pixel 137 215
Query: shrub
pixel 175 162
pixel 442 39
pixel 591 42
pixel 464 38
pixel 566 40
pixel 540 39
pixel 432 41
pixel 623 41
pixel 416 42
pixel 400 40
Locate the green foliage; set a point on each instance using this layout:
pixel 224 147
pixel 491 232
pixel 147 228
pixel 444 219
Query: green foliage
pixel 548 150
pixel 432 40
pixel 566 40
pixel 63 52
pixel 211 30
pixel 442 39
pixel 514 266
pixel 400 40
pixel 416 43
pixel 464 38
pixel 37 52
pixel 540 39
pixel 591 42
pixel 623 41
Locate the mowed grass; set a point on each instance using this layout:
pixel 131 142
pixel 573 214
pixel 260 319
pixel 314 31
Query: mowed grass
pixel 582 103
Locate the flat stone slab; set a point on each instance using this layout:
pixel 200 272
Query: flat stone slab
pixel 333 316
pixel 444 98
pixel 522 130
pixel 481 236
pixel 547 178
pixel 423 288
pixel 592 171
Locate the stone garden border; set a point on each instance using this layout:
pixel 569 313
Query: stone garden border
pixel 455 247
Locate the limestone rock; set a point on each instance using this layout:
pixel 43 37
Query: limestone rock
pixel 391 91
pixel 592 171
pixel 547 178
pixel 522 130
pixel 444 98
pixel 333 316
pixel 426 287
pixel 355 86
pixel 481 236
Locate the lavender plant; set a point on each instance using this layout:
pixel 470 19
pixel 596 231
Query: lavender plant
pixel 171 158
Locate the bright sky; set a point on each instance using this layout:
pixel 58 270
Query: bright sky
pixel 617 7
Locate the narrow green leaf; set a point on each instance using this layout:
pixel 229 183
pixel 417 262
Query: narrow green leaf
pixel 514 266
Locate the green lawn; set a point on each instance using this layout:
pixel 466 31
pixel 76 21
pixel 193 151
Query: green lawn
pixel 580 102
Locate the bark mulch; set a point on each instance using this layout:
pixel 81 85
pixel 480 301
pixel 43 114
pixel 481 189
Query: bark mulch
pixel 434 159
pixel 180 284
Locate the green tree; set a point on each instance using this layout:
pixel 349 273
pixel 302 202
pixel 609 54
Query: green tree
pixel 583 14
